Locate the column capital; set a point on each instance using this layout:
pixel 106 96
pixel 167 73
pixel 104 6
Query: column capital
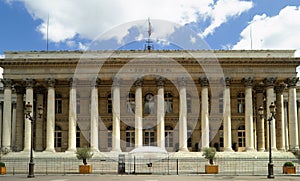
pixel 116 81
pixel 203 81
pixel 29 82
pixel 138 82
pixel 95 81
pixel 182 81
pixel 270 81
pixel 160 81
pixel 291 81
pixel 248 81
pixel 73 81
pixel 51 82
pixel 7 82
pixel 226 80
pixel 280 88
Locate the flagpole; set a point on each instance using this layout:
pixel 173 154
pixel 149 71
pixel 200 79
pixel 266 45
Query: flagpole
pixel 47 33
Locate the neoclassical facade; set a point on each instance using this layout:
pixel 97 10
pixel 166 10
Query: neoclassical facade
pixel 176 100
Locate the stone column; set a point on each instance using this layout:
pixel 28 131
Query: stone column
pixel 39 120
pixel 1 121
pixel 50 115
pixel 19 118
pixel 227 115
pixel 116 147
pixel 6 137
pixel 13 126
pixel 286 126
pixel 298 107
pixel 204 112
pixel 293 119
pixel 72 116
pixel 269 82
pixel 160 113
pixel 29 83
pixel 94 115
pixel 280 117
pixel 138 113
pixel 248 81
pixel 260 126
pixel 182 115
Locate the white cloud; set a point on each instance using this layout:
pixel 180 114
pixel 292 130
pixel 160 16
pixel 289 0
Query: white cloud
pixel 2 56
pixel 276 32
pixel 91 18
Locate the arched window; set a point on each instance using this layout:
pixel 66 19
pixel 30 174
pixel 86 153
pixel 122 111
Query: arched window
pixel 221 103
pixel 109 104
pixel 241 136
pixel 189 103
pixel 130 103
pixel 78 132
pixel 58 104
pixel 130 136
pixel 78 104
pixel 168 102
pixel 149 137
pixel 241 102
pixel 169 132
pixel 109 137
pixel 149 104
pixel 57 137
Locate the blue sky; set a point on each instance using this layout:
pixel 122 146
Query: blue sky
pixel 176 24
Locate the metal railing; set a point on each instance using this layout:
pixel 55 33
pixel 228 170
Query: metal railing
pixel 135 165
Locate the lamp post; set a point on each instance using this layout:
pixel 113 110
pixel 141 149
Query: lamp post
pixel 28 111
pixel 261 114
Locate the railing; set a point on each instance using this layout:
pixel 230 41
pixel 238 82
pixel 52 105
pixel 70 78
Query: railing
pixel 134 165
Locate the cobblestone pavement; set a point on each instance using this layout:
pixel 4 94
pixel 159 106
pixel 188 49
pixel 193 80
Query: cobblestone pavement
pixel 142 178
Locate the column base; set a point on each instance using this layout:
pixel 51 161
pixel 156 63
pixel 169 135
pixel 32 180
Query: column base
pixel 183 150
pixel 52 150
pixel 261 150
pixel 281 149
pixel 71 150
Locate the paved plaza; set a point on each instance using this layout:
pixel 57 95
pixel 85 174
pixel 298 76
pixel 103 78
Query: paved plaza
pixel 142 178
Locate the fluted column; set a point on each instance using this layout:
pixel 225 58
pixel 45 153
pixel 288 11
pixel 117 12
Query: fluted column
pixel 72 116
pixel 29 83
pixel 6 139
pixel 138 114
pixel 19 118
pixel 94 115
pixel 248 81
pixel 286 126
pixel 50 115
pixel 204 112
pixel 293 119
pixel 280 133
pixel 260 126
pixel 227 115
pixel 116 147
pixel 13 126
pixel 160 113
pixel 269 82
pixel 182 116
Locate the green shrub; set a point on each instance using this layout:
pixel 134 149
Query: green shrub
pixel 2 164
pixel 84 154
pixel 209 153
pixel 288 164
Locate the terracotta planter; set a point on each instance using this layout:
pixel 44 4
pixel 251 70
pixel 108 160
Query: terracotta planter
pixel 2 170
pixel 289 170
pixel 85 169
pixel 211 169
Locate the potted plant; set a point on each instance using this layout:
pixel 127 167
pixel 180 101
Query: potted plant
pixel 209 154
pixel 289 168
pixel 84 154
pixel 3 151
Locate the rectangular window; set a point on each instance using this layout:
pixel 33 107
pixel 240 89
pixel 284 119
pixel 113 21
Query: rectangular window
pixel 58 106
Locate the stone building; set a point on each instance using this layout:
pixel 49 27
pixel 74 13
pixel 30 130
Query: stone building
pixel 176 100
